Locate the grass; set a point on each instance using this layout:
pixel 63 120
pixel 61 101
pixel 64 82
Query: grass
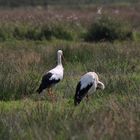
pixel 110 114
pixel 25 63
pixel 105 117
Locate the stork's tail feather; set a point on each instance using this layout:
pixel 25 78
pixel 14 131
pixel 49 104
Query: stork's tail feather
pixel 77 100
pixel 39 90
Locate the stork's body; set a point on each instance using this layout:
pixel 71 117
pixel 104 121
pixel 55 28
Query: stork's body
pixel 53 76
pixel 89 81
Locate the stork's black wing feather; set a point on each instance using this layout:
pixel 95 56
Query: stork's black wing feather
pixel 46 82
pixel 81 93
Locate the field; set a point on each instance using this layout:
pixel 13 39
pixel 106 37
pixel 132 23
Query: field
pixel 27 51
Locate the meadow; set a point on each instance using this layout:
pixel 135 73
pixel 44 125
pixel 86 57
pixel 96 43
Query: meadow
pixel 29 40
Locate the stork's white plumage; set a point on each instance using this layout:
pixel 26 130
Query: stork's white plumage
pixel 89 81
pixel 53 76
pixel 99 11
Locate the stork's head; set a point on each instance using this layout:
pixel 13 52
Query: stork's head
pixel 60 52
pixel 100 85
pixel 59 56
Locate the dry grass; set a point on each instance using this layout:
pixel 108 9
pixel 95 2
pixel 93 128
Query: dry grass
pixel 83 15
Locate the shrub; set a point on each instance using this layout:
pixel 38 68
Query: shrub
pixel 2 35
pixel 56 31
pixel 33 33
pixel 109 29
pixel 19 32
pixel 47 31
pixel 5 32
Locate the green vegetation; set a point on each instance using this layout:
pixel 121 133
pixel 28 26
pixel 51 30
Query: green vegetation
pixel 37 32
pixel 109 29
pixel 104 28
pixel 104 117
pixel 23 64
pixel 29 41
pixel 112 110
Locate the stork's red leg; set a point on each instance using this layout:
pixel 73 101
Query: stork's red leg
pixel 49 91
pixel 87 98
pixel 53 96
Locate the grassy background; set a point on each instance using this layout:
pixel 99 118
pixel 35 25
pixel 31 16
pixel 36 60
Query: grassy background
pixel 110 114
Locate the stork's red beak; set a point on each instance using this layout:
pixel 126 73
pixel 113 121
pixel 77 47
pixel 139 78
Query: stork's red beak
pixel 63 59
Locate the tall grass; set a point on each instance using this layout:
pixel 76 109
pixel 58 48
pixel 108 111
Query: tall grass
pixel 102 118
pixel 23 65
pixel 110 114
pixel 39 31
pixel 109 29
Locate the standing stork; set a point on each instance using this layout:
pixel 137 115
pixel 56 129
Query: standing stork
pixel 89 81
pixel 53 76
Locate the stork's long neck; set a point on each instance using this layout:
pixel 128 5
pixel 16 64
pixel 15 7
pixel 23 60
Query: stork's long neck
pixel 59 61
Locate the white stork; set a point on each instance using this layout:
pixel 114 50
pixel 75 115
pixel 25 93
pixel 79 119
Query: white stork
pixel 99 10
pixel 53 76
pixel 89 81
